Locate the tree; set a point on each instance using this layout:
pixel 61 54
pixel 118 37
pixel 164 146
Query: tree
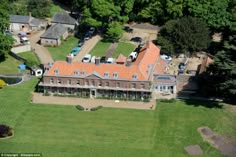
pixel 40 8
pixel 2 84
pixel 214 12
pixel 5 40
pixel 185 35
pixel 220 78
pixel 114 31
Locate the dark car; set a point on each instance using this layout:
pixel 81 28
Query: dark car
pixel 128 29
pixel 81 43
pixel 136 39
pixel 103 59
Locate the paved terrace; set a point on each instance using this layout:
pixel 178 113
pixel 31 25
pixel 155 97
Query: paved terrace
pixel 89 102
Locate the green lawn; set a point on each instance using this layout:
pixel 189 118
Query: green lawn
pixel 100 49
pixel 60 131
pixel 123 48
pixel 60 52
pixel 30 56
pixel 9 65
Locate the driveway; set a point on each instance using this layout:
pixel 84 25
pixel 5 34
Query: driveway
pixel 43 54
pixel 86 48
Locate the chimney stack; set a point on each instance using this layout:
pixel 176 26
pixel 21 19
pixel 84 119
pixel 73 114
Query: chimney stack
pixel 69 58
pixel 97 60
pixel 128 62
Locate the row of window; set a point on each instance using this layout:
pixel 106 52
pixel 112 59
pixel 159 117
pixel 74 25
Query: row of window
pixel 92 83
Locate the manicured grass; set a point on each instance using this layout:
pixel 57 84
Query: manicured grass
pixel 100 49
pixel 30 56
pixel 123 48
pixel 55 8
pixel 56 130
pixel 60 52
pixel 9 65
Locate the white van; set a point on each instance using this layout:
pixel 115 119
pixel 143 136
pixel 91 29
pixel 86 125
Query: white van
pixel 133 56
pixel 87 58
pixel 110 60
pixel 93 59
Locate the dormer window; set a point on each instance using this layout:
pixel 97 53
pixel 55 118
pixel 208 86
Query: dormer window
pixel 76 72
pixel 83 73
pixel 56 71
pixel 115 75
pixel 135 76
pixel 106 74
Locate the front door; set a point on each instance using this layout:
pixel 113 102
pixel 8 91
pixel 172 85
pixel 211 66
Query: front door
pixel 93 93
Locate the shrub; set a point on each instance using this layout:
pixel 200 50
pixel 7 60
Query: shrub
pixel 2 84
pixel 5 131
pixel 95 108
pixel 46 93
pixel 167 100
pixel 81 108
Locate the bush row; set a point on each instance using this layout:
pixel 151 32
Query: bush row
pixel 81 108
pixel 167 100
pixel 95 108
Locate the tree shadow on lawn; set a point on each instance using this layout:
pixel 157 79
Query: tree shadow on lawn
pixel 2 58
pixel 204 103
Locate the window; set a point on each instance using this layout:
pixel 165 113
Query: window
pixel 51 81
pixel 115 75
pixel 118 85
pixel 135 76
pixel 133 85
pixel 58 81
pixel 56 71
pixel 69 82
pixel 83 73
pixel 107 84
pixel 93 83
pixel 106 74
pixel 142 86
pixel 99 83
pixel 76 72
pixel 86 83
pixel 78 82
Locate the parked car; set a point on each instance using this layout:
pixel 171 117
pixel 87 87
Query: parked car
pixel 22 34
pixel 165 57
pixel 24 39
pixel 81 43
pixel 75 51
pixel 133 56
pixel 87 58
pixel 93 59
pixel 87 36
pixel 103 59
pixel 91 30
pixel 110 60
pixel 136 39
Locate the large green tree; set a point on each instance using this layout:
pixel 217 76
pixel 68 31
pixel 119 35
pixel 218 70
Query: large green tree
pixel 5 40
pixel 185 35
pixel 40 9
pixel 114 31
pixel 214 12
pixel 220 78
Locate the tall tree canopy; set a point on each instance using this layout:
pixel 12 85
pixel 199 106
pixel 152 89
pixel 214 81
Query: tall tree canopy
pixel 214 12
pixel 5 40
pixel 188 34
pixel 220 77
pixel 40 8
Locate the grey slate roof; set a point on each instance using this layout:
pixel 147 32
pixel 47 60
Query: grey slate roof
pixel 19 19
pixel 24 19
pixel 63 18
pixel 54 32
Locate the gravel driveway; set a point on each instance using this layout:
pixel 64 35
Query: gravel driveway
pixel 42 52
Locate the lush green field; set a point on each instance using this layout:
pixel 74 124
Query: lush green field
pixel 30 56
pixel 9 65
pixel 100 49
pixel 123 48
pixel 64 131
pixel 60 52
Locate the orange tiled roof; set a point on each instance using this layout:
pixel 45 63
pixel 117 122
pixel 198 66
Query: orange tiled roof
pixel 121 59
pixel 66 69
pixel 143 65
